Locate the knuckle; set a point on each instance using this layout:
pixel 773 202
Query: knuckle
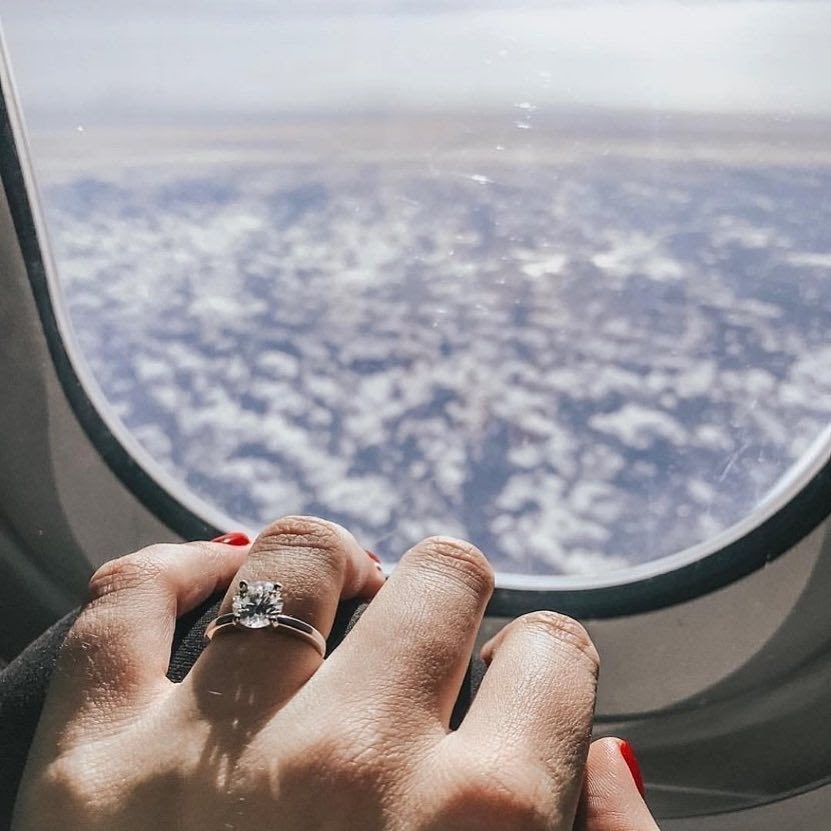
pixel 459 558
pixel 61 776
pixel 132 571
pixel 65 788
pixel 566 631
pixel 355 766
pixel 319 536
pixel 353 758
pixel 494 799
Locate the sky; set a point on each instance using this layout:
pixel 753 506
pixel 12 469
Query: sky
pixel 115 62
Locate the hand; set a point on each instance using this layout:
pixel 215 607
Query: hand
pixel 264 734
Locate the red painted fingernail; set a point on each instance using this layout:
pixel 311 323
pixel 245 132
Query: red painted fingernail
pixel 633 765
pixel 373 555
pixel 234 538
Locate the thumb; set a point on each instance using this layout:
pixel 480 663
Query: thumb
pixel 612 791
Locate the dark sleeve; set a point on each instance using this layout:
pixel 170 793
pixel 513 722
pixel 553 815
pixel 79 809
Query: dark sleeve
pixel 24 682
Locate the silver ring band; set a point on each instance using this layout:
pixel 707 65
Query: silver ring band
pixel 291 625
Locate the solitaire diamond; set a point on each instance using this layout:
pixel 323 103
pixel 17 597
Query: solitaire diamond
pixel 257 604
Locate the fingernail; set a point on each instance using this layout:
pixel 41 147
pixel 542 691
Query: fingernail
pixel 373 556
pixel 632 763
pixel 234 538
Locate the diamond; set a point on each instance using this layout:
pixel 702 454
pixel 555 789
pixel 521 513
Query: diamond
pixel 257 604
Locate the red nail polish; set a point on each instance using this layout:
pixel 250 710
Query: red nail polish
pixel 234 538
pixel 373 555
pixel 633 765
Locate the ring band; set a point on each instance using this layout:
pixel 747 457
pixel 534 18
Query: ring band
pixel 291 625
pixel 259 605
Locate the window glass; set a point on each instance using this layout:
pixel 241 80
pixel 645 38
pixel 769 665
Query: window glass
pixel 555 277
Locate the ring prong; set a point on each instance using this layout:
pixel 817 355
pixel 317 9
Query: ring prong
pixel 243 587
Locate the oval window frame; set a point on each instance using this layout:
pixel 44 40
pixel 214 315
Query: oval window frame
pixel 789 514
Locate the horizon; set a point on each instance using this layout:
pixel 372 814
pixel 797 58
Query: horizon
pixel 441 140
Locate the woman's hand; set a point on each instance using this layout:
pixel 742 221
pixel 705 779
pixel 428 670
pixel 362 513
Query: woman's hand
pixel 265 734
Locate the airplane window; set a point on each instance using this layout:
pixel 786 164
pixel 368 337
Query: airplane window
pixel 553 277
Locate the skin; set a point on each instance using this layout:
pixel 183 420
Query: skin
pixel 265 734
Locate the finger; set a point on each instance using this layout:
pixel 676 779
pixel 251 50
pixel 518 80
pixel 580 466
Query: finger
pixel 119 647
pixel 318 564
pixel 612 791
pixel 413 642
pixel 536 703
